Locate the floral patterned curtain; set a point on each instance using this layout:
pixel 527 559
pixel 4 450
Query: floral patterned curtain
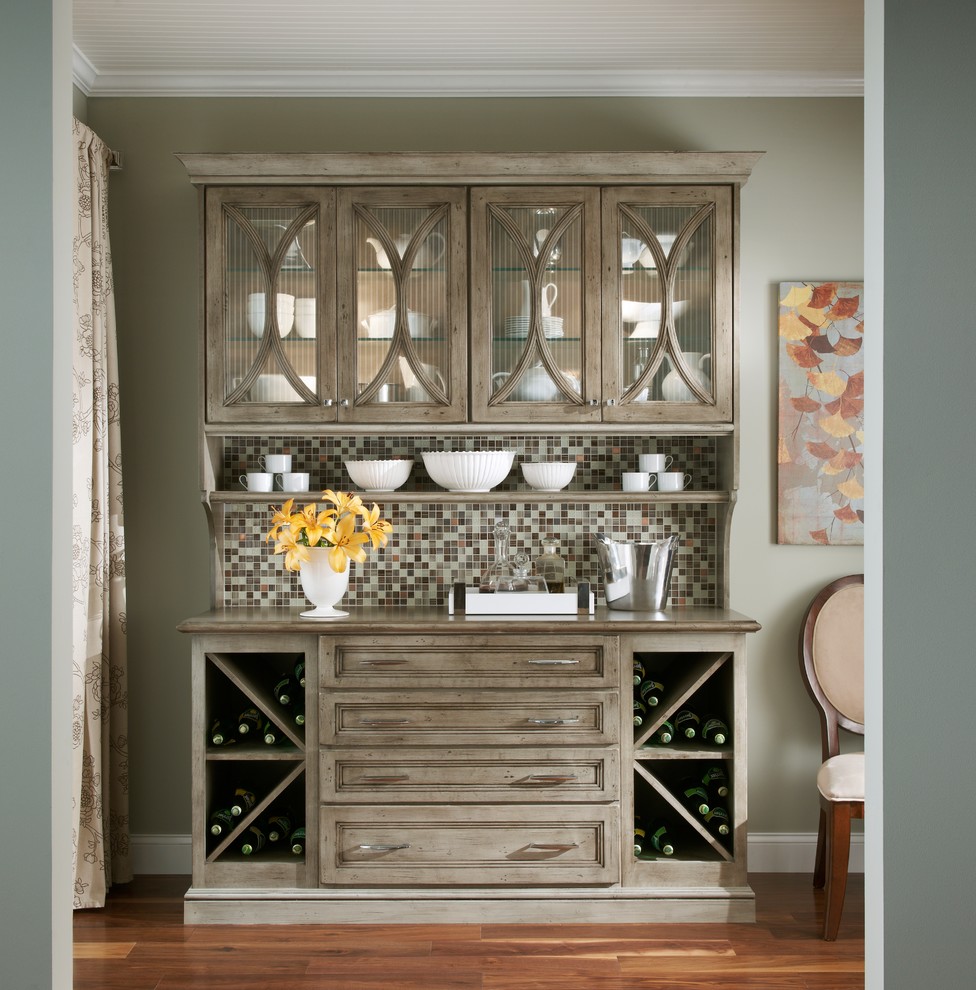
pixel 100 825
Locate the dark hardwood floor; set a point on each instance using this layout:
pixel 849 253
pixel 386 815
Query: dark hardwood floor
pixel 139 942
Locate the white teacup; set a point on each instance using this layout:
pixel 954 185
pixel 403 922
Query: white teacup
pixel 630 250
pixel 293 481
pixel 275 463
pixel 672 481
pixel 635 481
pixel 655 463
pixel 257 481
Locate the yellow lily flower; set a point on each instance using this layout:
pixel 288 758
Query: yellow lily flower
pixel 346 542
pixel 281 518
pixel 375 528
pixel 294 552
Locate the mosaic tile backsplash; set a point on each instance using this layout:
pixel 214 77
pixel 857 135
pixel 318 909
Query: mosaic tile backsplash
pixel 435 544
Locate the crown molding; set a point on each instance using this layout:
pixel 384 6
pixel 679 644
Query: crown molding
pixel 467 83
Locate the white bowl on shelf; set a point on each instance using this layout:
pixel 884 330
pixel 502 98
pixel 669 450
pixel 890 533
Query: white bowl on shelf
pixel 468 470
pixel 648 315
pixel 379 475
pixel 548 476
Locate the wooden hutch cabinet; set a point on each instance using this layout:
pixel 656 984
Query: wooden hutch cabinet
pixel 453 767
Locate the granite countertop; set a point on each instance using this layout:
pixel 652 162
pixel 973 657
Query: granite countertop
pixel 362 619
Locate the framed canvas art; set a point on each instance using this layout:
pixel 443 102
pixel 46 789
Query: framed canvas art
pixel 821 413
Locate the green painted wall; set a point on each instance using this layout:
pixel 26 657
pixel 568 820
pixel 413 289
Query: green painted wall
pixel 801 218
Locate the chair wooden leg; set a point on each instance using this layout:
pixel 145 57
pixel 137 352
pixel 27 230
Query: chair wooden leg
pixel 820 864
pixel 838 852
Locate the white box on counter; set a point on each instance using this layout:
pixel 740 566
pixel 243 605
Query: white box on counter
pixel 462 600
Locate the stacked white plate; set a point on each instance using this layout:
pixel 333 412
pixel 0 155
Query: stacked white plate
pixel 518 326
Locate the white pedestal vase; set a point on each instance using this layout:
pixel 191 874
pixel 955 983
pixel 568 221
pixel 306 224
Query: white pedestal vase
pixel 323 586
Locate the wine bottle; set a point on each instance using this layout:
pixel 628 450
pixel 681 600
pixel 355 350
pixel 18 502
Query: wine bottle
pixel 717 820
pixel 221 733
pixel 664 733
pixel 639 671
pixel 298 714
pixel 300 671
pixel 686 723
pixel 221 821
pixel 280 826
pixel 284 690
pixel 249 720
pixel 651 691
pixel 297 840
pixel 640 838
pixel 640 711
pixel 716 781
pixel 271 734
pixel 253 840
pixel 694 795
pixel 243 800
pixel 659 838
pixel 714 730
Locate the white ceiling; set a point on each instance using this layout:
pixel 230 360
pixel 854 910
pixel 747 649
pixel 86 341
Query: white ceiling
pixel 468 48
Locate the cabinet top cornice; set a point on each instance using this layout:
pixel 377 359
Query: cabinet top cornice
pixel 467 168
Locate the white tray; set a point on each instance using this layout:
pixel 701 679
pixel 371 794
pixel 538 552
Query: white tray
pixel 471 602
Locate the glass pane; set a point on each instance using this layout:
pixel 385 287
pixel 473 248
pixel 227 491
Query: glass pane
pixel 537 309
pixel 269 348
pixel 402 304
pixel 666 302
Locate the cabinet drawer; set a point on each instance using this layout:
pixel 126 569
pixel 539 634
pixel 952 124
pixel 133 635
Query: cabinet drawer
pixel 481 661
pixel 515 775
pixel 476 845
pixel 468 717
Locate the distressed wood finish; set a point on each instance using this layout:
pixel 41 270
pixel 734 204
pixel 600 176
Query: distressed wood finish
pixel 139 942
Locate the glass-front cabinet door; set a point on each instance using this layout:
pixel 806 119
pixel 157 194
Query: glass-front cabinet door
pixel 535 311
pixel 667 304
pixel 402 305
pixel 270 255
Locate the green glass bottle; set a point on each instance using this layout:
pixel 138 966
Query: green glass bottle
pixel 221 821
pixel 253 840
pixel 716 781
pixel 271 734
pixel 297 840
pixel 664 733
pixel 640 838
pixel 717 820
pixel 714 730
pixel 300 671
pixel 686 723
pixel 298 714
pixel 660 838
pixel 284 690
pixel 640 712
pixel 280 826
pixel 249 720
pixel 651 691
pixel 694 795
pixel 243 800
pixel 639 671
pixel 221 733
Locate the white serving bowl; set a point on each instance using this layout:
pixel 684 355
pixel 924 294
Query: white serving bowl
pixel 468 470
pixel 548 476
pixel 277 388
pixel 379 476
pixel 648 313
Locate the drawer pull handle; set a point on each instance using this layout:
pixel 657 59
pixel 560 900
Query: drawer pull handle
pixel 553 663
pixel 384 721
pixel 554 846
pixel 382 847
pixel 553 778
pixel 553 721
pixel 389 779
pixel 382 663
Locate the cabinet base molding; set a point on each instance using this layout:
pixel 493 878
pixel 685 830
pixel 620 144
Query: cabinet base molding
pixel 293 906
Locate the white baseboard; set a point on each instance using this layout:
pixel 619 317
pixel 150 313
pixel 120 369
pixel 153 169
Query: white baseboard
pixel 769 852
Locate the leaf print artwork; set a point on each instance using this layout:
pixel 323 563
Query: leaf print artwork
pixel 820 449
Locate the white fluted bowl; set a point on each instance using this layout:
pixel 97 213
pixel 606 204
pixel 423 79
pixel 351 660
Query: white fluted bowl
pixel 468 470
pixel 548 476
pixel 379 476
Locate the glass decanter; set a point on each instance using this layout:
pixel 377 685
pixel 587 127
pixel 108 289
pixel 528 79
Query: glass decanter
pixel 523 580
pixel 551 566
pixel 500 574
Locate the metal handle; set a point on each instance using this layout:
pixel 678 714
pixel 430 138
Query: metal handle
pixel 611 402
pixel 553 663
pixel 383 848
pixel 328 402
pixel 382 663
pixel 592 402
pixel 553 721
pixel 384 721
pixel 554 846
pixel 553 778
pixel 389 779
pixel 344 403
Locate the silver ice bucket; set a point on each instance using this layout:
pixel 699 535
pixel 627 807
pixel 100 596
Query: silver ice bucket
pixel 636 576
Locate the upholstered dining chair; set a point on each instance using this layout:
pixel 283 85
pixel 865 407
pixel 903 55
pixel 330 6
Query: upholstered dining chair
pixel 832 665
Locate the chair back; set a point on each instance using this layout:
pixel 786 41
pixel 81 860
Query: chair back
pixel 832 658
